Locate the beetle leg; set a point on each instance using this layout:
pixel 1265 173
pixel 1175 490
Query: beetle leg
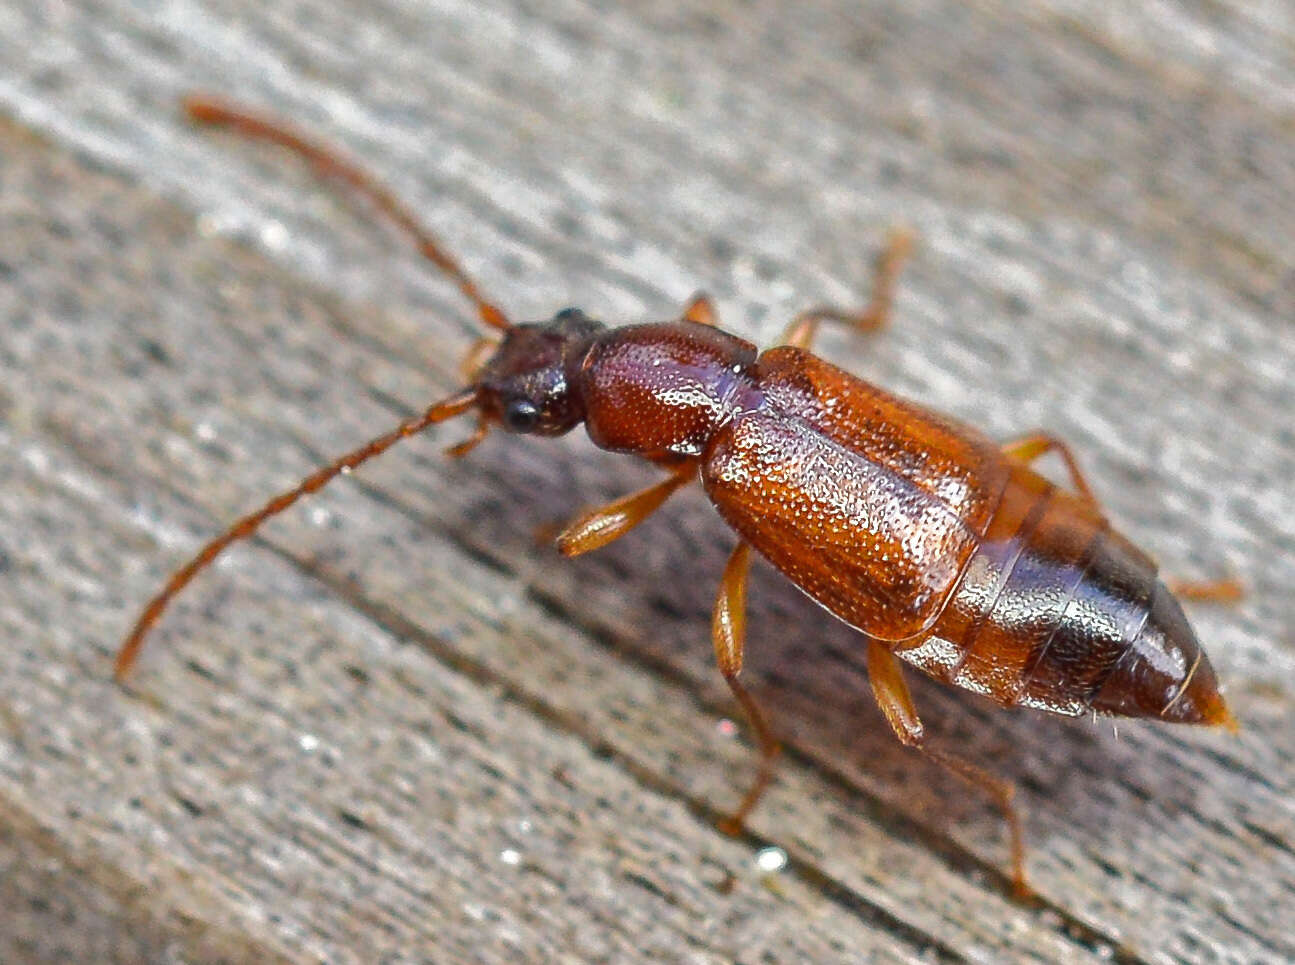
pixel 888 686
pixel 701 309
pixel 728 631
pixel 1028 448
pixel 598 527
pixel 899 243
pixel 1208 591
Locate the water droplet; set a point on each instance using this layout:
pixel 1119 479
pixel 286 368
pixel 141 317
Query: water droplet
pixel 770 860
pixel 274 235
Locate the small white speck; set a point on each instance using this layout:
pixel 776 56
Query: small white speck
pixel 525 826
pixel 272 862
pixel 308 742
pixel 36 459
pixel 274 235
pixel 770 860
pixel 346 470
pixel 510 856
pixel 319 516
pixel 205 431
pixel 474 911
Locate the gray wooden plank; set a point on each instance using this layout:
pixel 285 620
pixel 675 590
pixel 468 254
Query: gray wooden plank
pixel 1103 203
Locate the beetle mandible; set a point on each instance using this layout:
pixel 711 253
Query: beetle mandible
pixel 944 549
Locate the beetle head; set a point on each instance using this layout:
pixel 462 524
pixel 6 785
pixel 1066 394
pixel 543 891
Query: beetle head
pixel 524 385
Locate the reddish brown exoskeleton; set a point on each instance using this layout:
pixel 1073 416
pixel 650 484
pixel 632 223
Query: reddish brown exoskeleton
pixel 943 548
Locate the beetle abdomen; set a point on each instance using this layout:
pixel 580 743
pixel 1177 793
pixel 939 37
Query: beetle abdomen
pixel 1163 672
pixel 1058 612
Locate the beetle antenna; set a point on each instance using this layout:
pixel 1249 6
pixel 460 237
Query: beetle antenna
pixel 456 404
pixel 210 110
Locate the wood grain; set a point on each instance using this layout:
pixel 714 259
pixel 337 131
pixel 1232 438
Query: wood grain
pixel 395 728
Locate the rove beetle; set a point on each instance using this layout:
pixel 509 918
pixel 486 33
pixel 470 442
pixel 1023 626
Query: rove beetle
pixel 943 548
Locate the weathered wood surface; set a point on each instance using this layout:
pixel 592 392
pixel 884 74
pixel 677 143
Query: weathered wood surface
pixel 396 729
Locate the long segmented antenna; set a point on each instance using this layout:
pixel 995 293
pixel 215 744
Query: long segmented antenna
pixel 446 409
pixel 210 110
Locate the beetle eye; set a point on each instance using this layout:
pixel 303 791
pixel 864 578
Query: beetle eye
pixel 521 415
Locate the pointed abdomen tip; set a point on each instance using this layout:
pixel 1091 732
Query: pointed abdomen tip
pixel 1164 674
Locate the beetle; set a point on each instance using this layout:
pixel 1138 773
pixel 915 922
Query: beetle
pixel 943 548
